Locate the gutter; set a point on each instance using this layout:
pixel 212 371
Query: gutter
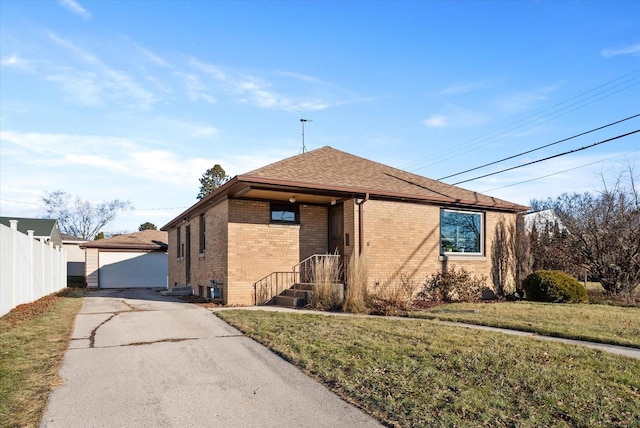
pixel 361 222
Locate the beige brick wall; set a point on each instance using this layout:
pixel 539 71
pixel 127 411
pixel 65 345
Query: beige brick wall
pixel 212 264
pixel 242 246
pixel 257 248
pixel 176 264
pixel 405 238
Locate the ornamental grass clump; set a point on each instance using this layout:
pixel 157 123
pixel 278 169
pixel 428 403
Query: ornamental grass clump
pixel 554 286
pixel 355 300
pixel 328 291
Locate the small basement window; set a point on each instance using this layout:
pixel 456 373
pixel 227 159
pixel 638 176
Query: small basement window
pixel 285 213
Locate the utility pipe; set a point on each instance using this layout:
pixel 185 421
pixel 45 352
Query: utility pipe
pixel 361 222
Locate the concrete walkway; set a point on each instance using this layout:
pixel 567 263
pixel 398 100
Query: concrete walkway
pixel 137 359
pixel 613 349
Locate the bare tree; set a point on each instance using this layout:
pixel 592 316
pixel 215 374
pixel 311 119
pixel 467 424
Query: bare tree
pixel 502 258
pixel 81 218
pixel 603 232
pixel 511 259
pixel 521 251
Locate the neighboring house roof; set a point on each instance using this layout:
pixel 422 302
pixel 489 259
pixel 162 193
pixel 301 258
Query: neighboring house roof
pixel 70 239
pixel 148 240
pixel 327 173
pixel 46 228
pixel 542 219
pixel 40 226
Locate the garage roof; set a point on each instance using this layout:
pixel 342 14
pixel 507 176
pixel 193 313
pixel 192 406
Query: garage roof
pixel 149 240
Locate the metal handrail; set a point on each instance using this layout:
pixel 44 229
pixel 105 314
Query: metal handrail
pixel 271 285
pixel 307 266
pixel 265 289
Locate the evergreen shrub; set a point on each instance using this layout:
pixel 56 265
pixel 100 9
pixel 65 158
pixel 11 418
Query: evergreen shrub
pixel 554 286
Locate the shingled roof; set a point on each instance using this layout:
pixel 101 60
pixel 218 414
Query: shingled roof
pixel 153 240
pixel 328 168
pixel 46 228
pixel 330 173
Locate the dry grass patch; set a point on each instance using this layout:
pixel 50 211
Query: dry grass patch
pixel 412 373
pixel 33 339
pixel 598 323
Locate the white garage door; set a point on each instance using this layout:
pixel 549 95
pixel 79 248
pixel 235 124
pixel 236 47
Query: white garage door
pixel 131 269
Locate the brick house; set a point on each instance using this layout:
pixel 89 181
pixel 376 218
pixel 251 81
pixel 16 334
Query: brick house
pixel 326 201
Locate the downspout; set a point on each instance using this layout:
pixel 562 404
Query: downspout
pixel 361 222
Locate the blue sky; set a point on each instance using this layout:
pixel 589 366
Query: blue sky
pixel 136 99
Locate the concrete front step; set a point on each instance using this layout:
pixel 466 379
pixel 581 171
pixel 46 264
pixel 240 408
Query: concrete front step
pixel 305 294
pixel 289 301
pixel 178 291
pixel 298 296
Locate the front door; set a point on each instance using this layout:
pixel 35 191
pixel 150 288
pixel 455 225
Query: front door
pixel 187 256
pixel 336 229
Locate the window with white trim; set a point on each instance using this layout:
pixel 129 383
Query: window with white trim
pixel 461 232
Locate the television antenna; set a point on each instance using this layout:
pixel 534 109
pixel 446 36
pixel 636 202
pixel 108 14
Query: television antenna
pixel 304 148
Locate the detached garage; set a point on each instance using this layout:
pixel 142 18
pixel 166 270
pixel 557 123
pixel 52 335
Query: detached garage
pixel 135 260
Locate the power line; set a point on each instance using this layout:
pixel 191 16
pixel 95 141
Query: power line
pixel 134 209
pixel 541 147
pixel 550 157
pixel 559 172
pixel 160 209
pixel 20 202
pixel 534 119
pixel 526 126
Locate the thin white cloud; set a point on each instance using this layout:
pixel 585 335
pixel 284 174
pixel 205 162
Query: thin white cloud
pixel 12 60
pixel 152 57
pixel 210 70
pixel 518 102
pixel 204 131
pixel 627 50
pixel 99 153
pixel 437 121
pixel 82 87
pixel 460 89
pixel 196 90
pixel 16 62
pixel 299 76
pixel 99 84
pixel 256 91
pixel 454 116
pixel 76 8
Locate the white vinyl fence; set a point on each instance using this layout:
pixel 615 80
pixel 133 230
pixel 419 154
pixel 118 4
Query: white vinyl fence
pixel 29 269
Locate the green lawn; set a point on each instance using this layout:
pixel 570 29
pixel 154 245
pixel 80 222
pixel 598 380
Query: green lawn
pixel 414 373
pixel 598 323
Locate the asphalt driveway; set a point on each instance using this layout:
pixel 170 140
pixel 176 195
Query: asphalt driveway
pixel 138 359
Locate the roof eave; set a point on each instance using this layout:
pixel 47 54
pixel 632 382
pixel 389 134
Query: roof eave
pixel 144 247
pixel 249 180
pixel 212 198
